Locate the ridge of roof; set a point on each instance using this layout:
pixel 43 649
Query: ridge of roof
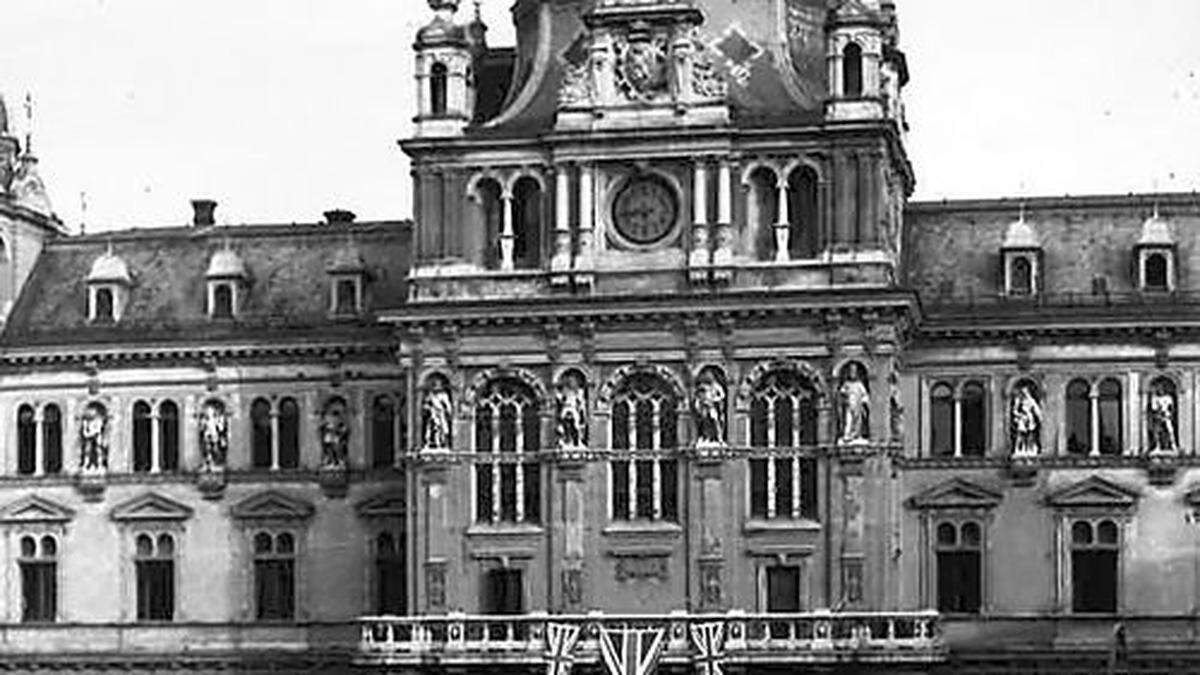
pixel 1049 202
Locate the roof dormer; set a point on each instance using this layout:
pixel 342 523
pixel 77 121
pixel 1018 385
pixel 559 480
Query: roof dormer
pixel 1154 254
pixel 227 278
pixel 1021 256
pixel 108 284
pixel 347 276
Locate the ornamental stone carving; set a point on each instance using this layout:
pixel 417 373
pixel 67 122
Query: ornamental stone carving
pixel 571 399
pixel 436 414
pixel 855 400
pixel 93 439
pixel 214 434
pixel 1025 421
pixel 335 434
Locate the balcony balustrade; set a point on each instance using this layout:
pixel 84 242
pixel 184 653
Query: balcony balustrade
pixel 819 637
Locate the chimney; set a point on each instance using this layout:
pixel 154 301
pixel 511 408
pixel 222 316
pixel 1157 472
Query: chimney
pixel 339 217
pixel 202 212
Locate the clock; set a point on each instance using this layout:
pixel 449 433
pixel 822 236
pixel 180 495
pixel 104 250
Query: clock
pixel 645 210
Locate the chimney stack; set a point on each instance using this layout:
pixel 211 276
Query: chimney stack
pixel 339 217
pixel 202 212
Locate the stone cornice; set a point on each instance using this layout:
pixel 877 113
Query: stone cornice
pixel 153 355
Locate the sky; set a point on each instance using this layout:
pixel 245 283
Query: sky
pixel 283 109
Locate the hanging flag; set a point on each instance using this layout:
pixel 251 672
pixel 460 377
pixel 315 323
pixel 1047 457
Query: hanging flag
pixel 560 643
pixel 631 651
pixel 709 639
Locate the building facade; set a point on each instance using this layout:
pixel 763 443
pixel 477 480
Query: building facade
pixel 666 371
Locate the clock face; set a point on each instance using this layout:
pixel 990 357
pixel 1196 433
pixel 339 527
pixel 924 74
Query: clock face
pixel 644 211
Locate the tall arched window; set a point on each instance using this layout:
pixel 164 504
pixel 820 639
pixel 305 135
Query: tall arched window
pixel 168 436
pixel 391 596
pixel 644 418
pixel 527 223
pixel 762 211
pixel 1109 407
pixel 491 216
pixel 261 432
pixel 941 420
pixel 1079 417
pixel 508 431
pixel 104 305
pixel 1021 282
pixel 52 439
pixel 274 576
pixel 1155 272
pixel 289 434
pixel 383 432
pixel 154 567
pixel 141 436
pixel 803 240
pixel 38 563
pixel 852 70
pixel 974 420
pixel 783 419
pixel 438 81
pixel 222 301
pixel 26 440
pixel 1095 549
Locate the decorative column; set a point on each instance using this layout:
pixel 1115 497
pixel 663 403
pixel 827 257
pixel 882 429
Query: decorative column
pixel 274 438
pixel 39 444
pixel 572 521
pixel 585 261
pixel 701 256
pixel 1094 402
pixel 507 237
pixel 783 223
pixel 561 259
pixel 958 449
pixel 155 443
pixel 722 255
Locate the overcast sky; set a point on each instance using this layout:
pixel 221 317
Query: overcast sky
pixel 282 109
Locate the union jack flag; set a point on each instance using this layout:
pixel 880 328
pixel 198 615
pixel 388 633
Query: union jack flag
pixel 631 651
pixel 560 642
pixel 709 639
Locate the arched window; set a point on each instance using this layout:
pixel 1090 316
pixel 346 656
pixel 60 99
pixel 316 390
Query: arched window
pixel 527 223
pixel 974 420
pixel 383 432
pixel 959 551
pixel 1094 552
pixel 783 419
pixel 391 596
pixel 289 434
pixel 803 239
pixel 438 80
pixel 1155 272
pixel 26 440
pixel 762 212
pixel 1020 276
pixel 345 297
pixel 154 567
pixel 274 576
pixel 168 436
pixel 508 429
pixel 141 436
pixel 52 439
pixel 260 434
pixel 644 418
pixel 38 563
pixel 222 301
pixel 852 70
pixel 941 420
pixel 104 305
pixel 1079 417
pixel 490 211
pixel 1109 407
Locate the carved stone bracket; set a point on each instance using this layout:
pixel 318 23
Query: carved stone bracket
pixel 587 341
pixel 211 482
pixel 334 481
pixel 1161 469
pixel 453 344
pixel 1022 471
pixel 91 485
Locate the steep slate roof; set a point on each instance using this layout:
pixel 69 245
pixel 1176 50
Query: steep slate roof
pixel 1081 238
pixel 288 285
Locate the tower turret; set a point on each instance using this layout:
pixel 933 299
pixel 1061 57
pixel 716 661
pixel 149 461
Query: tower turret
pixel 866 67
pixel 444 73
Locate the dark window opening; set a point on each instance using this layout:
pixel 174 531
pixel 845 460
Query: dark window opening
pixel 141 436
pixel 104 305
pixel 941 420
pixel 1110 417
pixel 803 239
pixel 274 577
pixel 503 592
pixel 289 434
pixel 345 297
pixel 39 579
pixel 26 441
pixel 438 80
pixel 383 432
pixel 1021 277
pixel 974 420
pixel 155 572
pixel 168 436
pixel 1094 562
pixel 222 302
pixel 1079 417
pixel 527 224
pixel 260 434
pixel 391 593
pixel 1155 273
pixel 852 70
pixel 763 203
pixel 959 567
pixel 783 588
pixel 52 439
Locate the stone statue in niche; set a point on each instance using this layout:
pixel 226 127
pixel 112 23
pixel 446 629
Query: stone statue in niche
pixel 572 412
pixel 93 438
pixel 855 405
pixel 710 411
pixel 436 411
pixel 335 434
pixel 1160 422
pixel 1025 419
pixel 214 434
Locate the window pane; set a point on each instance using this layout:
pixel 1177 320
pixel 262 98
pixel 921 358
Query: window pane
pixel 784 412
pixel 383 433
pixel 783 487
pixel 1079 418
pixel 620 490
pixel 168 436
pixel 947 535
pixel 532 497
pixel 289 434
pixel 974 421
pixel 758 423
pixel 155 590
pixel 670 489
pixel 1106 533
pixel 260 421
pixel 26 441
pixel 620 425
pixel 274 589
pixel 1110 418
pixel 758 488
pixel 1094 581
pixel 645 488
pixel 52 439
pixel 941 419
pixel 262 543
pixel 971 536
pixel 483 492
pixel 808 488
pixel 508 492
pixel 141 436
pixel 39 591
pixel 1081 533
pixel 28 547
pixel 783 589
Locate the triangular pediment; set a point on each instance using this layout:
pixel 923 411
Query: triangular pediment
pixel 386 505
pixel 956 493
pixel 150 506
pixel 1093 491
pixel 35 509
pixel 272 505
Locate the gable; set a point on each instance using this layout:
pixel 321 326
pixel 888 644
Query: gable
pixel 386 505
pixel 1093 491
pixel 150 506
pixel 272 505
pixel 35 509
pixel 956 493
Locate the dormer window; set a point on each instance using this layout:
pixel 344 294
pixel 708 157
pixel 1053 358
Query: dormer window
pixel 346 294
pixel 347 272
pixel 1155 256
pixel 1021 255
pixel 226 282
pixel 107 286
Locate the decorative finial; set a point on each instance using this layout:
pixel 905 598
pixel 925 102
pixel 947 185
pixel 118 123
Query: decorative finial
pixel 82 213
pixel 28 123
pixel 479 11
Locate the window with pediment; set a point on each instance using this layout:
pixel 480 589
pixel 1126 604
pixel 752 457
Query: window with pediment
pixel 644 431
pixel 274 526
pixel 274 576
pixel 507 442
pixel 1090 519
pixel 384 517
pixel 783 422
pixel 154 574
pixel 955 516
pixel 38 567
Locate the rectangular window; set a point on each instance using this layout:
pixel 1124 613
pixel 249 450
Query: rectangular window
pixel 39 591
pixel 274 589
pixel 958 581
pixel 503 593
pixel 1094 580
pixel 645 489
pixel 783 487
pixel 155 590
pixel 391 597
pixel 783 588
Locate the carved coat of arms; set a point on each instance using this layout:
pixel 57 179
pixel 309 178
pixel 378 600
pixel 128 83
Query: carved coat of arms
pixel 642 68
